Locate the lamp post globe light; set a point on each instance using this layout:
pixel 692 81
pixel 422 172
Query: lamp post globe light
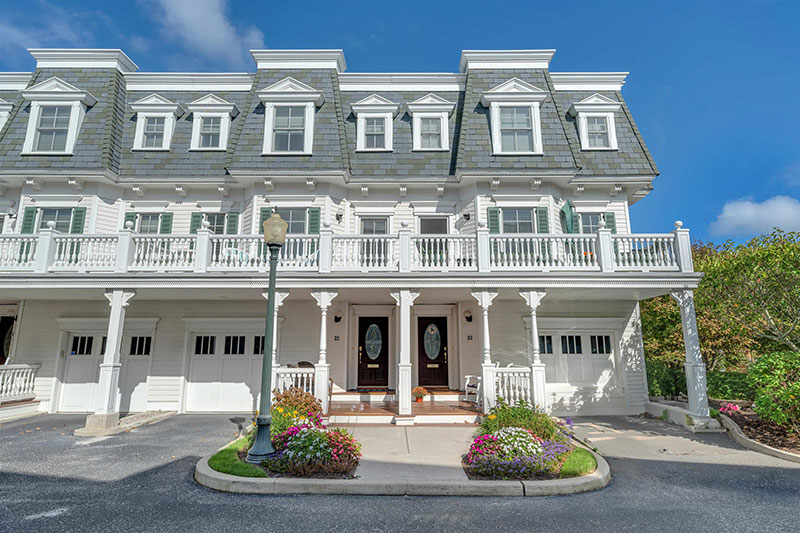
pixel 274 236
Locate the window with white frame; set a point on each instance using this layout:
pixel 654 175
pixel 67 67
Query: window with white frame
pixel 433 225
pixel 514 114
pixel 82 345
pixel 546 344
pixel 258 345
pixel 149 223
pixel 430 122
pixel 518 220
pixel 211 121
pixel 595 120
pixel 56 113
pixel 155 122
pixel 234 344
pixel 5 111
pixel 374 226
pixel 590 222
pixel 374 116
pixel 216 222
pixel 296 218
pixel 61 216
pixel 571 344
pixel 140 345
pixel 289 108
pixel 205 345
pixel 600 344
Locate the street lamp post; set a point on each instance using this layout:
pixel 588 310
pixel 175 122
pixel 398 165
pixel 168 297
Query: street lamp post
pixel 274 236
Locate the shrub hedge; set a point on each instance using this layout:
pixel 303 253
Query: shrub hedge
pixel 663 380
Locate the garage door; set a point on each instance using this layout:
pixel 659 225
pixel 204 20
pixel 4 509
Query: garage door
pixel 137 351
pixel 79 387
pixel 224 373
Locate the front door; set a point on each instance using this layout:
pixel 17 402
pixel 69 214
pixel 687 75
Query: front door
pixel 373 351
pixel 432 335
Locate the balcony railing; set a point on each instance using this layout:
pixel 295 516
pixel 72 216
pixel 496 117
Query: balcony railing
pixel 16 382
pixel 127 251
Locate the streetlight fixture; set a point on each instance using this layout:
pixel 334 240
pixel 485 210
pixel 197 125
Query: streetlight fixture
pixel 274 235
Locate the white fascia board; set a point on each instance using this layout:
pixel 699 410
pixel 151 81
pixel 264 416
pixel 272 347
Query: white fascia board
pixel 504 59
pixel 188 81
pixel 588 81
pixel 82 58
pixel 305 59
pixel 14 81
pixel 399 82
pixel 57 90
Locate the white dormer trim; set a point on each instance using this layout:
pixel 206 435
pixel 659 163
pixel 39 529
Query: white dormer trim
pixel 55 92
pixel 5 111
pixel 431 106
pixel 82 58
pixel 588 81
pixel 596 105
pixel 374 106
pixel 514 93
pixel 211 106
pixel 289 92
pixel 155 106
pixel 505 59
pixel 303 59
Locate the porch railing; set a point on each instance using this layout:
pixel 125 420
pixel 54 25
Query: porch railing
pixel 128 251
pixel 16 382
pixel 301 378
pixel 513 384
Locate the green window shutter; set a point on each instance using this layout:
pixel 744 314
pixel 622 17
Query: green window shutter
pixel 28 220
pixel 166 223
pixel 196 222
pixel 232 223
pixel 266 212
pixel 542 220
pixel 493 219
pixel 611 222
pixel 568 219
pixel 129 217
pixel 313 220
pixel 78 219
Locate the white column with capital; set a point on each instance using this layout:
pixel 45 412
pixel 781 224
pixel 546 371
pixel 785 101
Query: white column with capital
pixel 538 382
pixel 488 386
pixel 106 414
pixel 322 368
pixel 694 366
pixel 405 299
pixel 280 296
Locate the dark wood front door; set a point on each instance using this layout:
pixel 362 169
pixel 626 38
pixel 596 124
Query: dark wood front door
pixel 373 351
pixel 432 348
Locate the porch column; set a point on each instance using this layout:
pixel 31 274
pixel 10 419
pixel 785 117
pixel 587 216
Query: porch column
pixel 405 299
pixel 322 368
pixel 538 383
pixel 488 387
pixel 694 366
pixel 106 414
pixel 280 296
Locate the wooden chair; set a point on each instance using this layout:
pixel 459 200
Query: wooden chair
pixel 472 386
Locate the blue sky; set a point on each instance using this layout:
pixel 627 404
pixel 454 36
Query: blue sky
pixel 713 84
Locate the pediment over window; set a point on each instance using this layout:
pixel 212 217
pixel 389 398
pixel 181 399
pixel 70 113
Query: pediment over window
pixel 55 89
pixel 374 103
pixel 157 104
pixel 430 103
pixel 291 90
pixel 594 103
pixel 212 103
pixel 5 110
pixel 513 90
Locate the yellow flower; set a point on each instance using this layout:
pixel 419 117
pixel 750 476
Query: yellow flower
pixel 302 418
pixel 280 409
pixel 492 417
pixel 295 412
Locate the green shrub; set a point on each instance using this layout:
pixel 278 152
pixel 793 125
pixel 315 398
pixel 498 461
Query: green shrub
pixel 290 405
pixel 664 380
pixel 776 379
pixel 521 415
pixel 729 386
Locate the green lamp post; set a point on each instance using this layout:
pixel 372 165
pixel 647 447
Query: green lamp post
pixel 274 236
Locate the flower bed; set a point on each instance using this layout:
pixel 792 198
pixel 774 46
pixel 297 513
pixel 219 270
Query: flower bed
pixel 758 429
pixel 520 442
pixel 305 447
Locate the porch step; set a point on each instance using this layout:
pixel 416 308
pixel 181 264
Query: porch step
pixel 389 396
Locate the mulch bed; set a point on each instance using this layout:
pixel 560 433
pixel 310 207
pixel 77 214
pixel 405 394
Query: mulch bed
pixel 766 432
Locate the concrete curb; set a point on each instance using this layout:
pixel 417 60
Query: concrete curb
pixel 738 436
pixel 212 479
pixel 122 427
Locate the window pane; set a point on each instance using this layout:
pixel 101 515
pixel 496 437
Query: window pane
pixel 517 220
pixel 374 125
pixel 590 222
pixel 210 125
pixel 61 217
pixel 296 218
pixel 216 223
pixel 281 141
pixel 289 128
pixel 373 226
pixel 433 226
pixel 296 139
pixel 149 223
pixel 375 141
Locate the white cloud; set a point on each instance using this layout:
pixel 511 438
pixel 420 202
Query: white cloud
pixel 748 218
pixel 202 27
pixel 791 174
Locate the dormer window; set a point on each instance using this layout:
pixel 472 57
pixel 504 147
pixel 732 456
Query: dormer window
pixel 155 122
pixel 56 114
pixel 515 117
pixel 430 117
pixel 595 119
pixel 211 123
pixel 374 115
pixel 289 109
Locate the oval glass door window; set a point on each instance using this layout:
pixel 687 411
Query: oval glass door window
pixel 373 340
pixel 432 341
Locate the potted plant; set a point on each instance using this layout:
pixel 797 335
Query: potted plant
pixel 419 393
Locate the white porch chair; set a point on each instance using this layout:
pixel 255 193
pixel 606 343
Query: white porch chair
pixel 472 386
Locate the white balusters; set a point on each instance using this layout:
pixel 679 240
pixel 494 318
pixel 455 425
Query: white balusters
pixel 365 252
pixel 300 378
pixel 17 252
pixel 163 252
pixel 644 252
pixel 250 252
pixel 444 252
pixel 84 252
pixel 16 382
pixel 513 384
pixel 543 251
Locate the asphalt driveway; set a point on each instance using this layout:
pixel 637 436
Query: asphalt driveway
pixel 664 479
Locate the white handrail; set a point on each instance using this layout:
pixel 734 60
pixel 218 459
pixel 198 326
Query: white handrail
pixel 525 251
pixel 365 252
pixel 85 252
pixel 164 252
pixel 513 384
pixel 300 378
pixel 643 252
pixel 17 382
pixel 249 252
pixel 18 251
pixel 444 252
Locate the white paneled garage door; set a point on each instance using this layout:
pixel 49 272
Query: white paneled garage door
pixel 224 372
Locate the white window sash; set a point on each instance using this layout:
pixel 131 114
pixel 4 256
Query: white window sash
pixel 224 130
pixel 141 121
pixel 77 113
pixel 269 128
pixel 583 129
pixel 361 127
pixel 536 128
pixel 444 130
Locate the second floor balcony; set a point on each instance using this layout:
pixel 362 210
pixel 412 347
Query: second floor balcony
pixel 204 252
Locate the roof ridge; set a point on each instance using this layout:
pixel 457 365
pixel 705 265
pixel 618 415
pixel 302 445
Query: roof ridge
pixel 236 135
pixel 636 131
pixel 563 121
